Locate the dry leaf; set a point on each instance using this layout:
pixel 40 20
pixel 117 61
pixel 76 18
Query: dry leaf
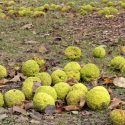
pixel 82 102
pixel 35 122
pixel 35 86
pixel 31 42
pixel 108 80
pixel 15 79
pixel 3 81
pixel 50 109
pixel 72 81
pixel 19 110
pixel 72 108
pixel 43 49
pixel 120 82
pixel 27 26
pixel 116 103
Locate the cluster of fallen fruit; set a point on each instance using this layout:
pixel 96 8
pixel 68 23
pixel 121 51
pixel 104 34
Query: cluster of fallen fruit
pixel 44 89
pixel 109 9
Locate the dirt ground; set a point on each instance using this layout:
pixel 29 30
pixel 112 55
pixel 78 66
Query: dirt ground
pixel 23 38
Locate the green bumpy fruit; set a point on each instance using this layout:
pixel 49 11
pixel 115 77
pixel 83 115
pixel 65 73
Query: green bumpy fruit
pixel 62 90
pixel 117 116
pixel 42 100
pixel 48 90
pixel 90 72
pixel 3 72
pixel 97 98
pixel 30 67
pixel 41 62
pixel 117 62
pixel 27 87
pixel 73 74
pixel 13 97
pixel 99 52
pixel 45 78
pixel 72 69
pixel 72 66
pixel 58 76
pixel 79 86
pixel 1 100
pixel 74 97
pixel 72 52
pixel 87 8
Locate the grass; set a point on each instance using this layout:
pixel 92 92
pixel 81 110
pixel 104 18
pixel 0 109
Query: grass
pixel 55 32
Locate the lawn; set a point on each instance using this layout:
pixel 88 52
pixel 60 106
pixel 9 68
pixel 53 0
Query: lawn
pixel 22 38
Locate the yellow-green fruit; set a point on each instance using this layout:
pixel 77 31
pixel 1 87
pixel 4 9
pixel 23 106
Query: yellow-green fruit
pixel 97 98
pixel 109 16
pixel 72 66
pixel 66 9
pixel 73 74
pixel 117 116
pixel 58 76
pixel 105 1
pixel 38 13
pixel 123 5
pixel 90 72
pixel 45 78
pixel 79 86
pixel 41 62
pixel 87 8
pixel 13 97
pixel 42 100
pixel 2 15
pixel 83 12
pixel 11 2
pixel 47 89
pixel 110 3
pixel 28 85
pixel 1 100
pixel 46 6
pixel 73 52
pixel 99 52
pixel 62 90
pixel 117 62
pixel 3 72
pixel 122 50
pixel 74 97
pixel 30 67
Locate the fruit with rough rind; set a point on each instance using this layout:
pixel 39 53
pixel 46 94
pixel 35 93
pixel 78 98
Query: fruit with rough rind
pixel 97 98
pixel 45 78
pixel 90 72
pixel 30 67
pixel 1 100
pixel 117 116
pixel 99 52
pixel 47 89
pixel 28 85
pixel 3 72
pixel 42 100
pixel 13 97
pixel 73 52
pixel 62 90
pixel 58 76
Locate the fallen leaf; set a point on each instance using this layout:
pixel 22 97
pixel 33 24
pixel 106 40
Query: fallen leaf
pixel 28 105
pixel 75 112
pixel 3 81
pixel 115 102
pixel 72 81
pixel 15 79
pixel 71 108
pixel 3 116
pixel 42 49
pixel 108 80
pixel 95 82
pixel 31 42
pixel 50 109
pixel 27 26
pixel 35 122
pixel 19 110
pixel 82 102
pixel 119 81
pixel 35 86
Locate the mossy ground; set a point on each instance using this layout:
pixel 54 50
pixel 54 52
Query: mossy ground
pixel 48 37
